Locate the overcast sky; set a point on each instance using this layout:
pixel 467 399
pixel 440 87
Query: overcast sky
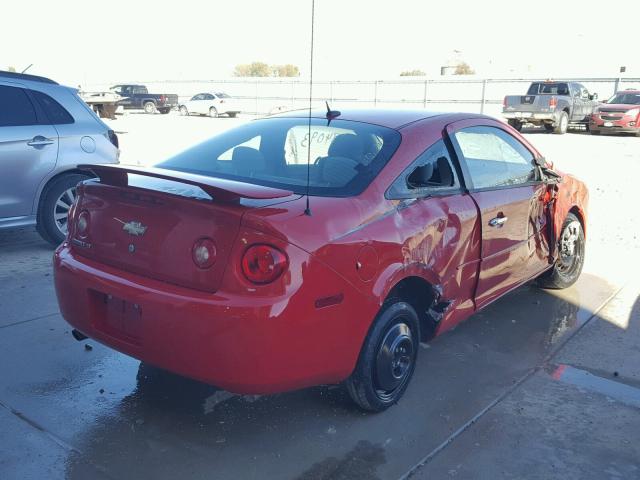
pixel 85 42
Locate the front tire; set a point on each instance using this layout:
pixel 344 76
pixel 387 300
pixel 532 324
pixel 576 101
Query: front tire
pixel 571 250
pixel 562 125
pixel 149 107
pixel 53 211
pixel 387 359
pixel 183 111
pixel 164 111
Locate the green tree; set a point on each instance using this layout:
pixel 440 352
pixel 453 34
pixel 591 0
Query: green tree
pixel 463 68
pixel 412 73
pixel 255 69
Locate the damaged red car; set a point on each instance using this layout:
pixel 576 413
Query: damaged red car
pixel 290 252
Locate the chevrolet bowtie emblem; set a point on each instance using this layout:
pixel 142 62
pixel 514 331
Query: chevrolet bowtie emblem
pixel 133 227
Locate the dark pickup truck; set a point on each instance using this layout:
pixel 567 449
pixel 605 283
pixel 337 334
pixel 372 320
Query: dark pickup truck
pixel 138 97
pixel 552 104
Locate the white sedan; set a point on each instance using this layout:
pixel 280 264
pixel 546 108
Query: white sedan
pixel 212 104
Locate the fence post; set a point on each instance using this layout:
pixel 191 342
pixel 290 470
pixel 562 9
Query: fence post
pixel 375 94
pixel 256 112
pixel 616 85
pixel 484 89
pixel 424 96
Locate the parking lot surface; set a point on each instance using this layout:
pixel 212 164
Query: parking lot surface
pixel 541 384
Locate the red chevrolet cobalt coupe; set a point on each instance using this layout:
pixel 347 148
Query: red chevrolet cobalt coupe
pixel 214 266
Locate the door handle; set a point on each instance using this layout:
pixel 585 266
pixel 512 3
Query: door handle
pixel 39 141
pixel 498 221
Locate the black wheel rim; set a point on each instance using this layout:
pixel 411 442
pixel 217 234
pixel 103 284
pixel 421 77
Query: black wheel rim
pixel 394 361
pixel 571 247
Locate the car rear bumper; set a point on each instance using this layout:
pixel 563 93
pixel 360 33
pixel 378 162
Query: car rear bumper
pixel 244 345
pixel 530 116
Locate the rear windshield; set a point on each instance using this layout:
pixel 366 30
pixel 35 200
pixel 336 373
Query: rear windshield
pixel 548 88
pixel 626 98
pixel 345 156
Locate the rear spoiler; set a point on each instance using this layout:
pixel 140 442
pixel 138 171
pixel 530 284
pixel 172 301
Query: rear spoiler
pixel 217 188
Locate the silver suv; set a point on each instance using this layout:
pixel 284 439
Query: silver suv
pixel 46 131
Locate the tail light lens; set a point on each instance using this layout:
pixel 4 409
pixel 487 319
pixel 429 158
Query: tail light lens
pixel 263 263
pixel 82 224
pixel 204 253
pixel 162 98
pixel 553 102
pixel 113 138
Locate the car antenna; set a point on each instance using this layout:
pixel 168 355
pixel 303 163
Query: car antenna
pixel 307 210
pixel 331 114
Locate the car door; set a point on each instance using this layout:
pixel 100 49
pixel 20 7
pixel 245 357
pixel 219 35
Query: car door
pixel 504 182
pixel 199 104
pixel 439 222
pixel 28 150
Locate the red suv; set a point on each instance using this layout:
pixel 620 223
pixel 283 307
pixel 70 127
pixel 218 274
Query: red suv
pixel 619 114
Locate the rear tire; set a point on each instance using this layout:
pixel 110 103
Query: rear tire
pixel 164 111
pixel 562 125
pixel 233 114
pixel 515 124
pixel 213 112
pixel 571 250
pixel 149 107
pixel 549 127
pixel 387 359
pixel 55 202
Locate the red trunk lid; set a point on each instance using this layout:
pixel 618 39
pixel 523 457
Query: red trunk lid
pixel 149 226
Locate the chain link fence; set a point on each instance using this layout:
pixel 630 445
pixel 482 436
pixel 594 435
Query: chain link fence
pixel 261 96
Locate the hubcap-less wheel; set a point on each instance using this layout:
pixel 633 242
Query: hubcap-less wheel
pixel 570 248
pixel 61 209
pixel 394 360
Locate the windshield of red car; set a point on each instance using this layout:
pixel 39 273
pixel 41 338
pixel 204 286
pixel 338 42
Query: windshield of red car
pixel 345 156
pixel 626 98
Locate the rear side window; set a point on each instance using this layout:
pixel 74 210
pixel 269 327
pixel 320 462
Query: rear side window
pixel 431 173
pixel 55 112
pixel 494 158
pixel 15 108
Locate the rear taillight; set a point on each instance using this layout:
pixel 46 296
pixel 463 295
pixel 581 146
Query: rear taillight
pixel 113 138
pixel 221 101
pixel 553 102
pixel 82 224
pixel 263 263
pixel 204 253
pixel 163 99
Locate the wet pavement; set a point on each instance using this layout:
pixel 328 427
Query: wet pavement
pixel 79 410
pixel 541 384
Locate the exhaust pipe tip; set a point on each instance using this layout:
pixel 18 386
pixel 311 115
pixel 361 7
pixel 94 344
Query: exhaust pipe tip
pixel 78 335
